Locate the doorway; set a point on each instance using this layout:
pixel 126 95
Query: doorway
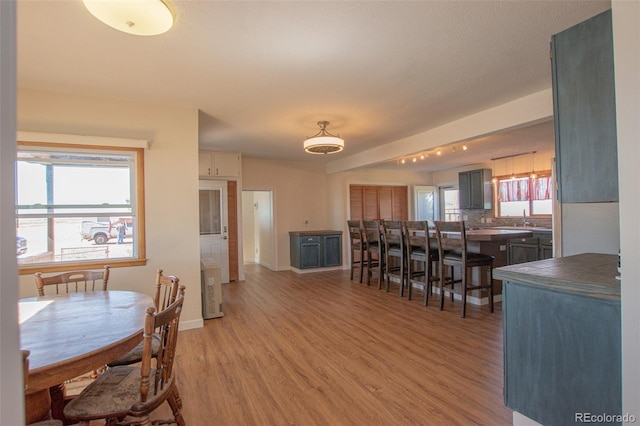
pixel 258 240
pixel 214 237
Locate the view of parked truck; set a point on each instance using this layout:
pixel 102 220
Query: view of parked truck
pixel 101 231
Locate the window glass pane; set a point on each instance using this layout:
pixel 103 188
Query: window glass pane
pixel 425 201
pixel 75 205
pixel 75 239
pixel 514 208
pixel 522 197
pixel 451 205
pixel 210 213
pixel 542 207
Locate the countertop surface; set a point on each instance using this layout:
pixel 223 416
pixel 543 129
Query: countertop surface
pixel 496 234
pixel 312 233
pixel 588 274
pixel 520 228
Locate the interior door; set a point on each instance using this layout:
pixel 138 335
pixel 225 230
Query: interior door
pixel 214 238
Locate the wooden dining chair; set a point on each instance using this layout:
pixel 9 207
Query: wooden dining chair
pixel 453 252
pixel 33 406
pixel 74 281
pixel 422 252
pixel 68 282
pixel 357 247
pixel 40 400
pixel 166 291
pixel 395 259
pixel 137 391
pixel 375 251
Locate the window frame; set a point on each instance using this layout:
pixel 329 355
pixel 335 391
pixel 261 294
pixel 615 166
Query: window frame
pixel 496 202
pixel 140 240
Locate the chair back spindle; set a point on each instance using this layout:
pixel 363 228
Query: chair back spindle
pixel 73 281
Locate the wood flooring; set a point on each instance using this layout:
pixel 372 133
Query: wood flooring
pixel 319 349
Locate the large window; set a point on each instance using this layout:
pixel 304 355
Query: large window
pixel 524 196
pixel 78 207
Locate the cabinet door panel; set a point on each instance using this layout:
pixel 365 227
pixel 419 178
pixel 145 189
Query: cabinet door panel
pixel 400 203
pixel 226 164
pixel 310 255
pixel 385 195
pixel 204 163
pixel 371 210
pixel 476 198
pixel 584 111
pixel 464 190
pixel 356 202
pixel 332 250
pixel 522 253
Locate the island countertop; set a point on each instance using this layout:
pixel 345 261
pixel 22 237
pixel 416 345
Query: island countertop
pixel 496 234
pixel 314 233
pixel 588 274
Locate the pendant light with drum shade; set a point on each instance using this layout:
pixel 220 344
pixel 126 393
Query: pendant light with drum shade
pixel 137 17
pixel 323 142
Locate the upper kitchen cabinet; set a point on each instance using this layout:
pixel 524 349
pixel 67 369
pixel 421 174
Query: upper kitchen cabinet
pixel 474 189
pixel 584 112
pixel 223 164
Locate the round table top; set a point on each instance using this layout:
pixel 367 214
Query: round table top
pixel 72 334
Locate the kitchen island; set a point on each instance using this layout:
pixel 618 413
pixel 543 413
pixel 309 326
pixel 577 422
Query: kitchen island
pixel 562 339
pixel 494 242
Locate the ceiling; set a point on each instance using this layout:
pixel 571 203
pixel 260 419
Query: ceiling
pixel 263 73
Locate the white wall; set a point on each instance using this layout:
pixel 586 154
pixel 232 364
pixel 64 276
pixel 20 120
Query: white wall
pixel 248 227
pixel 171 181
pixel 626 37
pixel 590 228
pixel 11 395
pixel 257 218
pixel 300 199
pixel 264 228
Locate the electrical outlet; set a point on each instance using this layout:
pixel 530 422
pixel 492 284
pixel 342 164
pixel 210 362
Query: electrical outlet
pixel 465 217
pixel 488 220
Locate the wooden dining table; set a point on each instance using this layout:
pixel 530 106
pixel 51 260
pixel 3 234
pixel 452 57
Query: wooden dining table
pixel 69 335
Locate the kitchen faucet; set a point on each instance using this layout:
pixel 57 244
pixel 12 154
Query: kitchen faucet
pixel 524 218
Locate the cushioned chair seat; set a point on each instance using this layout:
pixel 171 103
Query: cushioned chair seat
pixel 112 394
pixel 135 354
pixel 472 258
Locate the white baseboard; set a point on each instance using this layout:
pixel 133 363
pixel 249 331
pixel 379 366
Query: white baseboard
pixel 188 325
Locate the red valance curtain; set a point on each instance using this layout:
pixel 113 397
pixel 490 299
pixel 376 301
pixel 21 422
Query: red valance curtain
pixel 519 189
pixel 514 190
pixel 542 188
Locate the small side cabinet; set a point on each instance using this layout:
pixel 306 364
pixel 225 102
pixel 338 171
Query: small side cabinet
pixel 315 249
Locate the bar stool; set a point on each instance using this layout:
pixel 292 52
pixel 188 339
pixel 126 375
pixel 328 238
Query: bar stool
pixel 394 253
pixel 452 250
pixel 375 251
pixel 422 249
pixel 358 247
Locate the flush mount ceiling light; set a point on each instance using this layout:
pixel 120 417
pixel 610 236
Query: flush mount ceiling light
pixel 137 17
pixel 323 142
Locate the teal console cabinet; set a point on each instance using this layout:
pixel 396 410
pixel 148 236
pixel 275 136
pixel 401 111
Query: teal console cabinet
pixel 315 249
